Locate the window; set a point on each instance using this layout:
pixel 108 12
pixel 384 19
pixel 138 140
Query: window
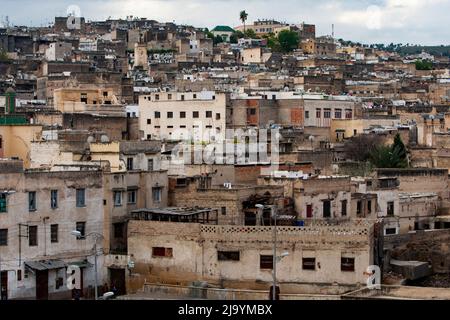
pixel 117 198
pixel 217 116
pixel 19 275
pixel 149 137
pixel 54 199
pixel 252 111
pixel 309 263
pixel 195 114
pixel 132 196
pixel 162 252
pixel 129 163
pixel 150 165
pixel 81 198
pixel 318 113
pixel 266 262
pixel 209 114
pixel 54 233
pixel 156 97
pixel 3 206
pixel 390 208
pixel 348 114
pixel 169 115
pixel 224 211
pixel 149 121
pixel 195 96
pixel 182 114
pixel 3 237
pixel 391 231
pixel 182 97
pixel 327 209
pixel 32 201
pixel 157 194
pixel 157 114
pixel 118 230
pixel 32 236
pixel 81 227
pixel 347 264
pixel 228 255
pixel 369 206
pixel 327 113
pixel 306 114
pixel 338 113
pixel 344 208
pixel 169 96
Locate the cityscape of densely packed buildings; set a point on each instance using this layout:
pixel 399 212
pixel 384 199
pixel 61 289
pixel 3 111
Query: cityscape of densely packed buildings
pixel 160 159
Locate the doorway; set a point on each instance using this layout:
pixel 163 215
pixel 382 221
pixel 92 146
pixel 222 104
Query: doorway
pixel 42 285
pixel 4 286
pixel 309 211
pixel 117 279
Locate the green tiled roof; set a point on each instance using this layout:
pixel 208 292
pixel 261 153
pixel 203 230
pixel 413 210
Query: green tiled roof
pixel 223 29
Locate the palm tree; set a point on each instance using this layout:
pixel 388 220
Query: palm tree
pixel 243 16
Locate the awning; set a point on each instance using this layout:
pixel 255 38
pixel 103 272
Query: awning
pixel 80 264
pixel 46 264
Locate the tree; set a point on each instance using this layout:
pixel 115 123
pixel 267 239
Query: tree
pixel 288 40
pixel 243 16
pixel 217 39
pixel 234 38
pixel 3 55
pixel 424 65
pixel 239 34
pixel 388 157
pixel 400 146
pixel 359 148
pixel 250 33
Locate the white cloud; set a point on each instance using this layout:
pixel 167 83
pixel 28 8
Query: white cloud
pixel 413 21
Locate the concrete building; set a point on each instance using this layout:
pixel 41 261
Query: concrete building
pixel 224 32
pixel 180 115
pixel 58 51
pixel 241 257
pixel 39 209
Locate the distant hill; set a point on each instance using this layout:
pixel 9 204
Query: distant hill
pixel 434 50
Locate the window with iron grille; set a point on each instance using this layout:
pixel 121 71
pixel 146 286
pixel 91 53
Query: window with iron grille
pixel 3 205
pixel 162 252
pixel 132 196
pixel 3 237
pixel 32 201
pixel 54 233
pixel 309 263
pixel 318 113
pixel 157 194
pixel 130 164
pixel 81 198
pixel 348 264
pixel 54 199
pixel 228 255
pixel 32 236
pixel 266 262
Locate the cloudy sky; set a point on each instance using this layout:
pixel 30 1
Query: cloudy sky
pixel 370 21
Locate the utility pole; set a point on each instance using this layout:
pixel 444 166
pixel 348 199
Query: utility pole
pixel 274 291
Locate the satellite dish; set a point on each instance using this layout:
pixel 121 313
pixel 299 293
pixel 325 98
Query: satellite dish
pixel 104 139
pixel 90 139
